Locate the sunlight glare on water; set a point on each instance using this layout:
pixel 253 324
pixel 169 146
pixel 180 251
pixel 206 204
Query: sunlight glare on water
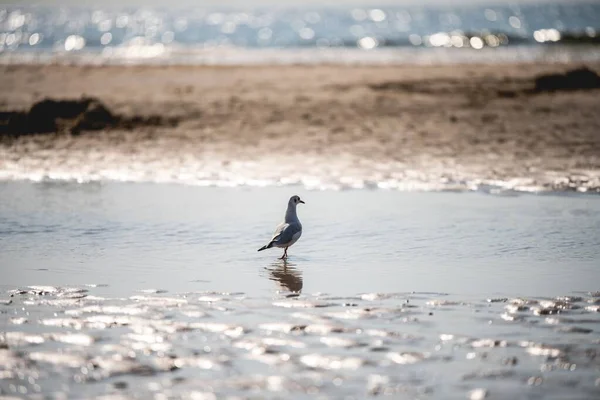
pixel 211 32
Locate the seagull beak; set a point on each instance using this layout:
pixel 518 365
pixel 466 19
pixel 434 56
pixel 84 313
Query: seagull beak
pixel 300 201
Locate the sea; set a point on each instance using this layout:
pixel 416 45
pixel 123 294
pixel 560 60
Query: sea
pixel 209 32
pixel 155 289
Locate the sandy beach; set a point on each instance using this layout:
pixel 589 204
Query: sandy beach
pixel 452 123
pixel 122 290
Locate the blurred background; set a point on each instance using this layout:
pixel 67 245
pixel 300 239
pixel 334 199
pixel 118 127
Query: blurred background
pixel 210 31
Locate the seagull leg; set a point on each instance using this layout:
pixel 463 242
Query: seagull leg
pixel 284 256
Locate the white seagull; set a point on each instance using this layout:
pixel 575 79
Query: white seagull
pixel 289 231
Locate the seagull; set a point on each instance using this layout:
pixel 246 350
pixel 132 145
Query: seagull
pixel 289 231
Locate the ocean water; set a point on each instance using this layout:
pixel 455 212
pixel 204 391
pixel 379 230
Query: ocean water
pixel 291 32
pixel 157 290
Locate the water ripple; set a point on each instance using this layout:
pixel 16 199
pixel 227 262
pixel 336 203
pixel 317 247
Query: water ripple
pixel 129 338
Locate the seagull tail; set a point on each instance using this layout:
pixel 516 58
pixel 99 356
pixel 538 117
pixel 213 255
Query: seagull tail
pixel 267 246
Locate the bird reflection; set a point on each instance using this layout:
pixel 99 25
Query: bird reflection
pixel 288 277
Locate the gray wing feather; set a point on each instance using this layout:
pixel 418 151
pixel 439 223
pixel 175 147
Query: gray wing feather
pixel 280 228
pixel 285 232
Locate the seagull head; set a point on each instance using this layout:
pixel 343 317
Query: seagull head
pixel 294 200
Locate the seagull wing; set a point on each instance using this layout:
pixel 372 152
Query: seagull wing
pixel 279 231
pixel 285 233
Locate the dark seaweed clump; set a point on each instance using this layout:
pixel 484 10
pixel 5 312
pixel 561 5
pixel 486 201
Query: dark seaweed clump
pixel 577 79
pixel 73 116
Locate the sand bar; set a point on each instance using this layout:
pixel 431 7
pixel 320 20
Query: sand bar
pixel 472 123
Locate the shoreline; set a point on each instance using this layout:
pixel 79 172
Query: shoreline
pixel 239 57
pixel 350 126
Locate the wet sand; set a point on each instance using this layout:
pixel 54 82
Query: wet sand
pixel 463 125
pixel 69 342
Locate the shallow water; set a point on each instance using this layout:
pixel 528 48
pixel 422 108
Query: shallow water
pixel 179 238
pixel 143 289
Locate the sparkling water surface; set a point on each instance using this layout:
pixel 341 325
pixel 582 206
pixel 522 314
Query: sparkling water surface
pixel 222 34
